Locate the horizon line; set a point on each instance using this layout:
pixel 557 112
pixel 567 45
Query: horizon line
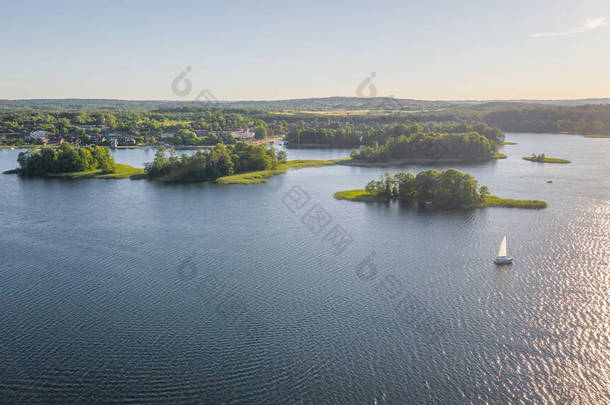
pixel 309 98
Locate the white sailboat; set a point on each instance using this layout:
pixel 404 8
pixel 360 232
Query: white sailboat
pixel 502 258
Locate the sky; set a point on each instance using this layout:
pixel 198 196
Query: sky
pixel 271 50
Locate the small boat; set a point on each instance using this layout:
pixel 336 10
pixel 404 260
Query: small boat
pixel 502 258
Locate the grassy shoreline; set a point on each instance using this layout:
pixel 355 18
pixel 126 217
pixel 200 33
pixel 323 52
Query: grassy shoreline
pixel 494 201
pixel 597 136
pixel 19 147
pixel 489 201
pixel 121 171
pixel 545 160
pixel 358 195
pixel 262 176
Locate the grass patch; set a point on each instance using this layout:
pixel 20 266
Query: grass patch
pixel 508 143
pixel 122 171
pixel 19 147
pixel 262 176
pixel 494 201
pixel 300 164
pixel 500 156
pixel 250 177
pixel 545 160
pixel 358 195
pixel 597 136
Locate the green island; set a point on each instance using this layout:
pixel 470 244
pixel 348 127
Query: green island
pixel 447 189
pixel 69 162
pixel 508 143
pixel 543 159
pixel 233 164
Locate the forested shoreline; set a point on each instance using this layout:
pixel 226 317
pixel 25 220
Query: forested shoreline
pixel 210 124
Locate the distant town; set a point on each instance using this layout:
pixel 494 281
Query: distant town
pixel 105 136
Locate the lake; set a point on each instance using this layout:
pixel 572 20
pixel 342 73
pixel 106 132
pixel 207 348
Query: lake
pixel 134 291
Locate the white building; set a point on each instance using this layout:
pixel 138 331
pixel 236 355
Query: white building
pixel 39 134
pixel 244 135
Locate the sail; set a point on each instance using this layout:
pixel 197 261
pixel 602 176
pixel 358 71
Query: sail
pixel 502 251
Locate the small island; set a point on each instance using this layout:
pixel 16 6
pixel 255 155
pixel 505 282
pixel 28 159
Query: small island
pixel 69 162
pixel 233 164
pixel 543 159
pixel 447 189
pixel 508 143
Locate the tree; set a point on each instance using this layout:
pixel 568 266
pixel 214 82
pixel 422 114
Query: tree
pixel 282 156
pixel 104 160
pixel 219 162
pixel 406 185
pixel 260 132
pixel 484 192
pixel 426 185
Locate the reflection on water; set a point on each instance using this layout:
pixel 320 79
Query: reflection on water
pixel 134 291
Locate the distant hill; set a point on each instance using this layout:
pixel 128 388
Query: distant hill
pixel 565 103
pixel 306 104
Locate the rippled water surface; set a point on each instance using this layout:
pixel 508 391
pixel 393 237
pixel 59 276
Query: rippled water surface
pixel 132 291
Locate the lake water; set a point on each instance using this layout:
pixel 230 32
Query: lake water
pixel 133 291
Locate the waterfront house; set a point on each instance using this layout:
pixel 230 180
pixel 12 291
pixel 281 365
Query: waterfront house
pixel 201 132
pixel 38 135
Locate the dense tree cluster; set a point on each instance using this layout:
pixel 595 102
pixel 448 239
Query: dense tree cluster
pixel 446 189
pixel 221 160
pixel 369 133
pixel 65 159
pixel 465 147
pixel 588 119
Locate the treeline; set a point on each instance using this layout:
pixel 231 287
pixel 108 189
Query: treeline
pixel 446 189
pixel 465 147
pixel 222 160
pixel 65 159
pixel 589 119
pixel 136 123
pixel 353 135
pixel 189 137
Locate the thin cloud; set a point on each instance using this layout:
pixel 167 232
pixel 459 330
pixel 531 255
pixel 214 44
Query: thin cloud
pixel 589 25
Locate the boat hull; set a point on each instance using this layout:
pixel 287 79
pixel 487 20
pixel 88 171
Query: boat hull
pixel 503 260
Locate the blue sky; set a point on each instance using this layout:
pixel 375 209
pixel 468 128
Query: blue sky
pixel 280 49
